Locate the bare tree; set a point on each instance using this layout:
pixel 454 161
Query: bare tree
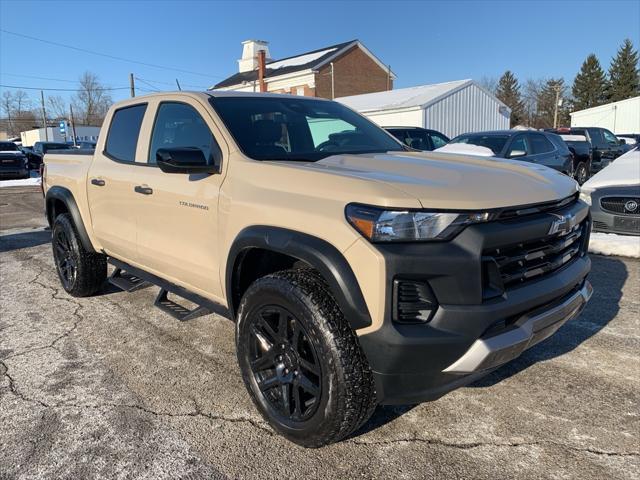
pixel 56 108
pixel 92 100
pixel 8 108
pixel 489 83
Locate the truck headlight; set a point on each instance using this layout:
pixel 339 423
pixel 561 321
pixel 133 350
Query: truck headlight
pixel 380 225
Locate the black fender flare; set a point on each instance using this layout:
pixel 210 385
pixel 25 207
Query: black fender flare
pixel 64 195
pixel 318 253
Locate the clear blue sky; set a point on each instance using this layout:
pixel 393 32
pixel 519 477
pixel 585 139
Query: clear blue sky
pixel 424 42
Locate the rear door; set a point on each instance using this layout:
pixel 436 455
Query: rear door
pixel 178 217
pixel 111 182
pixel 542 151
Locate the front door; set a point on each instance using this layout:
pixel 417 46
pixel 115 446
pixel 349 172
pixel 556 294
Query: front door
pixel 111 181
pixel 178 217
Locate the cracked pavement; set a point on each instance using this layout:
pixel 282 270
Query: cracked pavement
pixel 111 387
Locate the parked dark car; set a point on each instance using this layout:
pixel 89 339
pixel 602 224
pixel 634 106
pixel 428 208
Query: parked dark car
pixel 13 163
pixel 419 138
pixel 32 159
pixel 543 148
pixel 605 146
pixel 40 148
pixel 580 148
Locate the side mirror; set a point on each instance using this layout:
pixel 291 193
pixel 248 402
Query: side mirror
pixel 183 160
pixel 517 153
pixel 622 141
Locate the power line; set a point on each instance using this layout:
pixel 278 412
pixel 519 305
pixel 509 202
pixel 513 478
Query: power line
pixel 38 78
pixel 58 89
pixel 172 83
pixel 106 55
pixel 147 83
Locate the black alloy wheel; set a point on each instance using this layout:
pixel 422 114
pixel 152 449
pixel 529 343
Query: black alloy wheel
pixel 65 261
pixel 284 363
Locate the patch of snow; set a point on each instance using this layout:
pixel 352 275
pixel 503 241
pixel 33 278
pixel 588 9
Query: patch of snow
pixel 612 244
pixel 300 60
pixel 574 138
pixel 625 170
pixel 34 180
pixel 465 149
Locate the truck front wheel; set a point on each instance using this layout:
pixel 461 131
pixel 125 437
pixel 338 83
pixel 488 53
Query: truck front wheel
pixel 81 273
pixel 301 361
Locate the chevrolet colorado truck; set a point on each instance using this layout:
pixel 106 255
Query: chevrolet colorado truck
pixel 358 272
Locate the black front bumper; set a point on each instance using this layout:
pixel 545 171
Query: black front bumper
pixel 418 362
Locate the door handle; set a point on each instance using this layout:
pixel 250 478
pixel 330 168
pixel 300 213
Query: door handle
pixel 97 181
pixel 143 190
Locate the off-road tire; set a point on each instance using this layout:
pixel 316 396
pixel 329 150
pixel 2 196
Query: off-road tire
pixel 90 267
pixel 348 398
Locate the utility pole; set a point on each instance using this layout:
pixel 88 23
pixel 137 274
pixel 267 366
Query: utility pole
pixel 555 113
pixel 333 83
pixel 132 85
pixel 73 126
pixel 44 116
pixel 178 83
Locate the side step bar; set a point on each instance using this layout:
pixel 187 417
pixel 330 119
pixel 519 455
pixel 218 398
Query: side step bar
pixel 127 282
pixel 176 310
pixel 204 305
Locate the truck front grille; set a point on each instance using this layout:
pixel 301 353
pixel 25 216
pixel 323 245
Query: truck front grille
pixel 516 264
pixel 621 205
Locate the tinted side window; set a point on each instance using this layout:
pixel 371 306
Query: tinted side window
pixel 596 137
pixel 540 144
pixel 122 138
pixel 438 140
pixel 610 137
pixel 418 139
pixel 519 144
pixel 180 125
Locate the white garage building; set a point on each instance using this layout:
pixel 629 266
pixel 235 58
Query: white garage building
pixel 619 117
pixel 451 108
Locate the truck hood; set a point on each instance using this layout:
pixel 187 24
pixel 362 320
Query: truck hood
pixel 448 181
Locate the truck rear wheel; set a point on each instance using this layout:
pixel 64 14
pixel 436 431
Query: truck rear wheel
pixel 581 173
pixel 301 361
pixel 81 273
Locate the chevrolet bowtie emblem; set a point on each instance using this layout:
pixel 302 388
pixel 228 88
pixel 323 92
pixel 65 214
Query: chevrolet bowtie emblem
pixel 562 224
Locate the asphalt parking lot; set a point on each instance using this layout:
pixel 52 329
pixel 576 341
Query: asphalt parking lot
pixel 111 387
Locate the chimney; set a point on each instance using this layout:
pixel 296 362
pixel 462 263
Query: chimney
pixel 250 49
pixel 261 70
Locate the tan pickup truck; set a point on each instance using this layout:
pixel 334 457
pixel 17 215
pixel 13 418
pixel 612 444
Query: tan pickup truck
pixel 358 271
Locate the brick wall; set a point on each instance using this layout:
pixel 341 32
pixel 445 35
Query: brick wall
pixel 354 73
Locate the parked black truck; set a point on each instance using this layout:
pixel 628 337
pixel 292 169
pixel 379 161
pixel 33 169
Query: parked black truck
pixel 605 146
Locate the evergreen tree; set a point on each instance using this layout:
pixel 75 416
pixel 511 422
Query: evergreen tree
pixel 508 91
pixel 624 77
pixel 590 85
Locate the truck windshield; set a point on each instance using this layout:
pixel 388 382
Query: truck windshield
pixel 494 142
pixel 8 147
pixel 272 128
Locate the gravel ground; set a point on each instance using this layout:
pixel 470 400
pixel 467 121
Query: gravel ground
pixel 110 387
